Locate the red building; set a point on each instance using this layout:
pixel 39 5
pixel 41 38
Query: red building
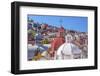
pixel 58 41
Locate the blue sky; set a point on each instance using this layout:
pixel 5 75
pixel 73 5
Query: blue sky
pixel 68 22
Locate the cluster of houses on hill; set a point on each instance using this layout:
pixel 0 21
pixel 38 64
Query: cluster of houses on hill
pixel 41 31
pixel 45 39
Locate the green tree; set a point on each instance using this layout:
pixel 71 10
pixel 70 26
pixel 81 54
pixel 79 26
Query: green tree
pixel 45 41
pixel 32 32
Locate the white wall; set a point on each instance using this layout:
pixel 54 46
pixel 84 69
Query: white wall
pixel 5 27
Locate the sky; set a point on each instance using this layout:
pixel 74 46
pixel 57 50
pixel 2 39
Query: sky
pixel 68 22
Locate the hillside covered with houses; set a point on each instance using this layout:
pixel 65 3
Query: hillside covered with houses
pixel 44 41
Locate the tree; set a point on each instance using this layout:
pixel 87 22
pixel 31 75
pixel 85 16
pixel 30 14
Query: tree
pixel 45 41
pixel 32 32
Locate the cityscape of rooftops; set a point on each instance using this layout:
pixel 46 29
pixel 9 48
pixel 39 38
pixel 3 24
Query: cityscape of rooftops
pixel 57 37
